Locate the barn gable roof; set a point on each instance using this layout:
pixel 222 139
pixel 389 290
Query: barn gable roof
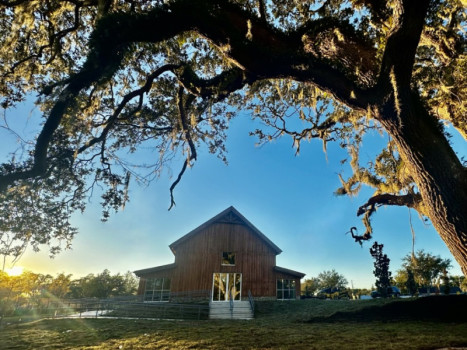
pixel 232 216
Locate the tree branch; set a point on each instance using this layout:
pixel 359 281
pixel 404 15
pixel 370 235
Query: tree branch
pixel 409 20
pixel 182 104
pixel 262 9
pixel 217 88
pixel 410 200
pixel 127 98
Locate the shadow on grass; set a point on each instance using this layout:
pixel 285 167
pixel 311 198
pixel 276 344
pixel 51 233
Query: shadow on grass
pixel 443 308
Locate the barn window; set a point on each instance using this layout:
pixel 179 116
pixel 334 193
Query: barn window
pixel 228 258
pixel 157 289
pixel 285 289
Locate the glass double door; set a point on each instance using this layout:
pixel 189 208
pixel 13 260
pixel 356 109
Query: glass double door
pixel 226 286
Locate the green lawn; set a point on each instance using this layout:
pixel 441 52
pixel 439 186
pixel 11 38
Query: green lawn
pixel 308 324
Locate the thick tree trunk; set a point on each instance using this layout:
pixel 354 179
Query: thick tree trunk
pixel 435 168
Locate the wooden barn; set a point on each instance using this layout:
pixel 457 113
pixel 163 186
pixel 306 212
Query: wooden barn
pixel 227 256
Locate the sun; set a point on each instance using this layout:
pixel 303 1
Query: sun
pixel 14 271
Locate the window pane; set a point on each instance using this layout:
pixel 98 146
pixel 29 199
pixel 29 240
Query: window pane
pixel 223 291
pixel 279 284
pixel 165 296
pixel 148 295
pixel 292 284
pixel 228 258
pixel 166 285
pixel 231 287
pixel 279 294
pixel 158 283
pixel 238 281
pixel 157 295
pixel 216 290
pixel 150 284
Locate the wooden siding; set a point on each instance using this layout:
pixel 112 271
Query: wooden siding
pixel 201 256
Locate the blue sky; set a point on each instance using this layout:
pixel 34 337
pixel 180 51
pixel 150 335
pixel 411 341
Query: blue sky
pixel 287 197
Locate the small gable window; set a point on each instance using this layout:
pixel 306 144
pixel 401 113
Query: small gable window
pixel 228 258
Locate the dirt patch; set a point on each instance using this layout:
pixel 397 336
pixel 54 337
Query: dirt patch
pixel 445 308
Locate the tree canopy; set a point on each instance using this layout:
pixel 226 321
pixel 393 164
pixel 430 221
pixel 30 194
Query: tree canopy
pixel 426 267
pixel 35 290
pixel 331 279
pixel 113 76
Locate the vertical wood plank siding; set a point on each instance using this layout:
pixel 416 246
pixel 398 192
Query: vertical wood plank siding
pixel 197 258
pixel 201 256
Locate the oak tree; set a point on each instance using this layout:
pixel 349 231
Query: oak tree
pixel 113 76
pixel 427 268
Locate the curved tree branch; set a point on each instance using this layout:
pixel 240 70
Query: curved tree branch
pixel 183 103
pixel 127 98
pixel 217 88
pixel 397 65
pixel 410 200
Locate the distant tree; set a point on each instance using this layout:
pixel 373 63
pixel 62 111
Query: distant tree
pixel 381 271
pixel 445 287
pixel 6 302
pixel 59 287
pixel 426 267
pixel 98 286
pixel 331 279
pixel 32 284
pixel 26 288
pixel 400 280
pixel 104 285
pixel 114 77
pixel 75 289
pixel 460 282
pixel 310 286
pixel 411 284
pixel 130 284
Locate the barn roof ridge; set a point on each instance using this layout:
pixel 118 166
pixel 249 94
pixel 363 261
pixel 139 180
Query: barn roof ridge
pixel 223 217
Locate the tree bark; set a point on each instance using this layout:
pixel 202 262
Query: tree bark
pixel 435 168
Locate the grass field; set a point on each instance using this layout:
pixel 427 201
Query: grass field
pixel 426 323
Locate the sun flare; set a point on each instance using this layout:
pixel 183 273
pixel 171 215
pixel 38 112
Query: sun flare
pixel 14 271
